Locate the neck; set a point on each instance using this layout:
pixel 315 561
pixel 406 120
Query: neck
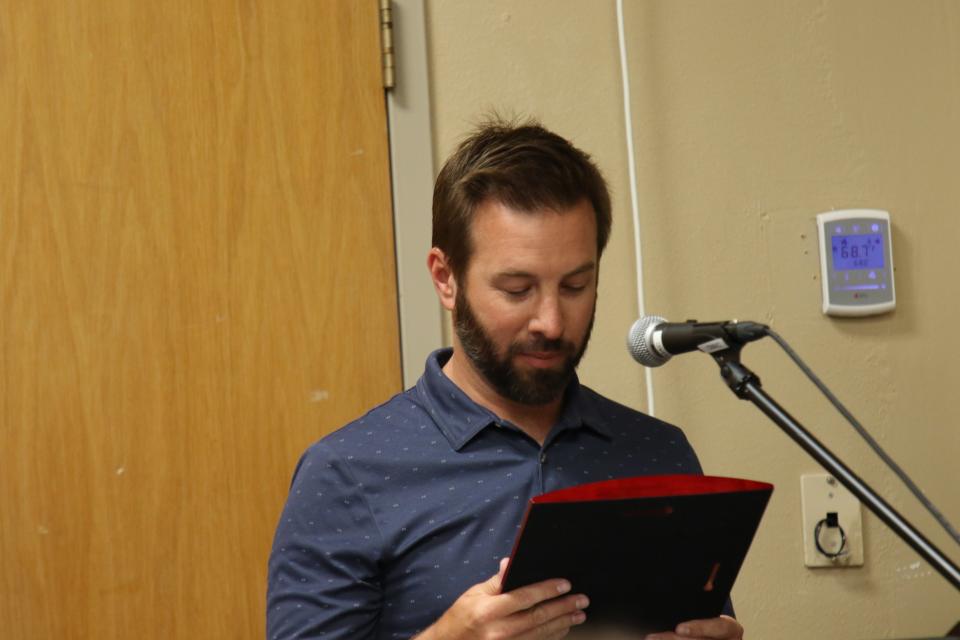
pixel 535 421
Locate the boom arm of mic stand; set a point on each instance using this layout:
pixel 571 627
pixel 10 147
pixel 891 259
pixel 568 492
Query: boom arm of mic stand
pixel 746 385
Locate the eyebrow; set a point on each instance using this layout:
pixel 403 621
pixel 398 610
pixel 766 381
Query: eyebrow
pixel 584 268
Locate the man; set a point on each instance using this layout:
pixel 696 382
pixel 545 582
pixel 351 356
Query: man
pixel 396 522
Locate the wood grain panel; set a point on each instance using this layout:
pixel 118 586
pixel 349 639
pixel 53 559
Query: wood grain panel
pixel 197 280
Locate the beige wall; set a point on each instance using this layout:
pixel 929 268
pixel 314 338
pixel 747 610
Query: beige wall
pixel 750 118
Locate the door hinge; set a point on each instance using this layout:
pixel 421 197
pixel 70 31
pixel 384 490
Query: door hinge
pixel 386 44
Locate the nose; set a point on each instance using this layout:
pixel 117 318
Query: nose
pixel 548 318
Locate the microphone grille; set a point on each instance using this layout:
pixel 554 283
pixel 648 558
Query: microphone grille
pixel 638 341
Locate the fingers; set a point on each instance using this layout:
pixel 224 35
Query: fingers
pixel 550 616
pixel 550 619
pixel 531 595
pixel 721 628
pixel 526 603
pixel 523 598
pixel 543 609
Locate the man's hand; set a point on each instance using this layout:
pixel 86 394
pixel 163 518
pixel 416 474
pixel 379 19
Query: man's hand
pixel 537 611
pixel 722 628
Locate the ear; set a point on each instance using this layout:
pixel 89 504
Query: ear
pixel 442 276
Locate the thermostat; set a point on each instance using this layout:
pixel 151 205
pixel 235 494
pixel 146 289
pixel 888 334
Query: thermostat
pixel 856 262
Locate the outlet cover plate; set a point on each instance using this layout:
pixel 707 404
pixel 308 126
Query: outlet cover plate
pixel 821 493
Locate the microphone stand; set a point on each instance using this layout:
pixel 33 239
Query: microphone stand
pixel 746 386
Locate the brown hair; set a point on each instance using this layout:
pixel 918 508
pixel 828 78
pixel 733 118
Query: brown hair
pixel 522 166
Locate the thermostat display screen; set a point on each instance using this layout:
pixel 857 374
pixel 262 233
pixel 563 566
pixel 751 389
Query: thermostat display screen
pixel 858 251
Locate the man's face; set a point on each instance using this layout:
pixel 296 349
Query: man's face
pixel 524 311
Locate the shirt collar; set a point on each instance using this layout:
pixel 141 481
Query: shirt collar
pixel 460 419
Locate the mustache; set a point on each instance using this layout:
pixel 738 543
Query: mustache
pixel 543 345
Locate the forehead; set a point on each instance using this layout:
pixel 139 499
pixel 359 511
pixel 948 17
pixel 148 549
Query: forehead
pixel 543 243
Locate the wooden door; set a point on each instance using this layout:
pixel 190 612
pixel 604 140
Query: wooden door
pixel 197 281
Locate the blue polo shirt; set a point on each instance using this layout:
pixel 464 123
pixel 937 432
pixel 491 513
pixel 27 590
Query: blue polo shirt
pixel 391 518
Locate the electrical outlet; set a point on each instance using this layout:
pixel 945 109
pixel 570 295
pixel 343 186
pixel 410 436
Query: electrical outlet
pixel 823 495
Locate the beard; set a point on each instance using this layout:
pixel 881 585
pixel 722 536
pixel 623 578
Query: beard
pixel 532 387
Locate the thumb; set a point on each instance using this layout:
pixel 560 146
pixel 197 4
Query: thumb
pixel 503 568
pixel 493 585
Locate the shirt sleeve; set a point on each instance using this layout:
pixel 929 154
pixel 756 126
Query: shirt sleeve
pixel 688 461
pixel 323 576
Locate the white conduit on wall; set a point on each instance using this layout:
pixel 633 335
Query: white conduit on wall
pixel 632 168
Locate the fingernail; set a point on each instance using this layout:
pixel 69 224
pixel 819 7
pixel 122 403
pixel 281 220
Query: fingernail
pixel 683 630
pixel 563 587
pixel 583 602
pixel 579 617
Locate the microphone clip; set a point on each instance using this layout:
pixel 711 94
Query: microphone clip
pixel 734 373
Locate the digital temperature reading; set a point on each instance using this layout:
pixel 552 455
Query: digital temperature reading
pixel 856 262
pixel 858 252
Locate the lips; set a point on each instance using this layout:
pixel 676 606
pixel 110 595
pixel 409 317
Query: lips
pixel 542 358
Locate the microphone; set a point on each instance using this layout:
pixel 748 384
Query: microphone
pixel 652 340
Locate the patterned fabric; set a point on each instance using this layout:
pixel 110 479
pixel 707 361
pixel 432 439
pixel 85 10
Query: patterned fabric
pixel 392 517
